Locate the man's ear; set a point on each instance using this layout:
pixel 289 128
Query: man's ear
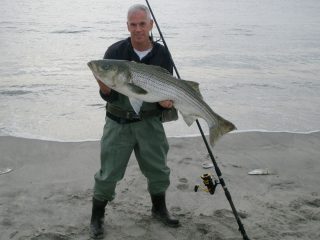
pixel 151 24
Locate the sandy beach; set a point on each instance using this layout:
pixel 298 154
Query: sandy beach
pixel 48 193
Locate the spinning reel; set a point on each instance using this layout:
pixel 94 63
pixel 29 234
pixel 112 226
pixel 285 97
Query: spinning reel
pixel 209 182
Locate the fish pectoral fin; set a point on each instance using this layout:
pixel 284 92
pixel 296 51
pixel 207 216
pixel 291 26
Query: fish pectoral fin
pixel 189 119
pixel 136 89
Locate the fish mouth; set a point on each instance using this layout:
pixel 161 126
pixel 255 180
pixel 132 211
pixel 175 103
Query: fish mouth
pixel 90 65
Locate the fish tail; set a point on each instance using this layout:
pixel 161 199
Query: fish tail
pixel 218 130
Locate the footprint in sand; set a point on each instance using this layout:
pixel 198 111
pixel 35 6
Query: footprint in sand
pixel 223 213
pixel 203 228
pixel 183 184
pixel 186 160
pixel 50 236
pixel 299 203
pixel 315 203
pixel 307 208
pixel 285 185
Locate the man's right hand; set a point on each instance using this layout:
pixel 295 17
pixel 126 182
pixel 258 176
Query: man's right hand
pixel 104 88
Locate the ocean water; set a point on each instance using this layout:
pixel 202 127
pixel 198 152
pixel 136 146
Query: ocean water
pixel 257 62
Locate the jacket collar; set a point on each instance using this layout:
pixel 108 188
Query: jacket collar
pixel 136 58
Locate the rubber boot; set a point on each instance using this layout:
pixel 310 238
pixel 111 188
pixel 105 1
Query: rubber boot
pixel 97 219
pixel 160 211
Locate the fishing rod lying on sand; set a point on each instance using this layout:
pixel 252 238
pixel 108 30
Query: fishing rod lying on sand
pixel 207 178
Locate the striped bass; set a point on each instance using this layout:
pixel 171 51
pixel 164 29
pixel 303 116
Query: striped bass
pixel 154 84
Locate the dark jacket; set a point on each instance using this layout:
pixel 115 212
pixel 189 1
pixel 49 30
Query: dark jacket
pixel 123 50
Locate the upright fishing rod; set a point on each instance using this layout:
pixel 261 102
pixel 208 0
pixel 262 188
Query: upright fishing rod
pixel 216 167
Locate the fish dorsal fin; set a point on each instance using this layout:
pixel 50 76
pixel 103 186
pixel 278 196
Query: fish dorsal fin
pixel 194 86
pixel 154 67
pixel 160 69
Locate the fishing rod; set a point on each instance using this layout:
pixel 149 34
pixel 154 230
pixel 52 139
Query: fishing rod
pixel 207 179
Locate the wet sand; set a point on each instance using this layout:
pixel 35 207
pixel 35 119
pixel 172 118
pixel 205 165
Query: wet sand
pixel 48 193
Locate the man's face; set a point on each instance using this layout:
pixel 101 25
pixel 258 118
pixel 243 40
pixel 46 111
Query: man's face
pixel 139 26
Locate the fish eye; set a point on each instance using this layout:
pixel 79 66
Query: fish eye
pixel 106 67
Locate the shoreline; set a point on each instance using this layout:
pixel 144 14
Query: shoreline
pixel 168 136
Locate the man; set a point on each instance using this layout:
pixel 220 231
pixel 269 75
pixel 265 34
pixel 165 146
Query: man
pixel 132 125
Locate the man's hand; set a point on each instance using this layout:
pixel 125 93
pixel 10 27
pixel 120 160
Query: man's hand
pixel 166 104
pixel 104 88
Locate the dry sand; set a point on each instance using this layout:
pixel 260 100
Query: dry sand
pixel 48 193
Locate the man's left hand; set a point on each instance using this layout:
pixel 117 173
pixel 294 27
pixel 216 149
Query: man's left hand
pixel 166 104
